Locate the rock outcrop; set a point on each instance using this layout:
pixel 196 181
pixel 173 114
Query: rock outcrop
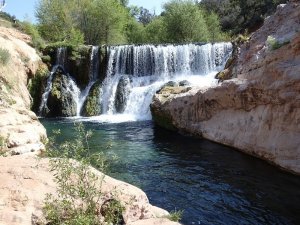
pixel 63 97
pixel 92 104
pixel 122 93
pixel 258 111
pixel 25 181
pixel 20 130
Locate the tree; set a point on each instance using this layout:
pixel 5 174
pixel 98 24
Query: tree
pixel 100 21
pixel 135 32
pixel 238 16
pixel 54 22
pixel 184 22
pixel 214 27
pixel 155 31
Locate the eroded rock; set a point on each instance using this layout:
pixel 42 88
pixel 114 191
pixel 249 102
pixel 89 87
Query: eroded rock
pixel 258 111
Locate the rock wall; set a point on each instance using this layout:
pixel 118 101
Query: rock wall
pixel 258 111
pixel 20 130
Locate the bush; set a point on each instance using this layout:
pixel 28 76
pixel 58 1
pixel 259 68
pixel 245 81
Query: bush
pixel 79 189
pixel 36 39
pixel 36 86
pixel 275 44
pixel 175 215
pixel 4 56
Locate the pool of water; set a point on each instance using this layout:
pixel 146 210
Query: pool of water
pixel 212 183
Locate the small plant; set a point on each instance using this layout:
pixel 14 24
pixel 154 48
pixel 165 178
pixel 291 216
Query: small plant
pixel 175 215
pixel 275 44
pixel 79 199
pixel 4 56
pixel 3 145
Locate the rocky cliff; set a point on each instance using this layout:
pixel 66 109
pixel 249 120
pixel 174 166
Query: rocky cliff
pixel 258 110
pixel 20 130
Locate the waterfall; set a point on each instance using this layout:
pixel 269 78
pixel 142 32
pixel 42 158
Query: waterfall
pixel 149 67
pixel 135 73
pixel 93 74
pixel 70 85
pixel 59 64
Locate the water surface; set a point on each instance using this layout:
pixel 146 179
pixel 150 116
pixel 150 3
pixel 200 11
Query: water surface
pixel 212 183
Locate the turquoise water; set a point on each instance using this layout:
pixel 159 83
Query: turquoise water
pixel 212 183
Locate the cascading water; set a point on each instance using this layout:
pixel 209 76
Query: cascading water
pixel 69 84
pixel 135 73
pixel 60 62
pixel 149 67
pixel 93 73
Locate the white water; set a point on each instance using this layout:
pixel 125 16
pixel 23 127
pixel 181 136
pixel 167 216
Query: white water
pixel 149 67
pixel 60 62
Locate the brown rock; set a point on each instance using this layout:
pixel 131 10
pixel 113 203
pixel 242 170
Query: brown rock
pixel 257 112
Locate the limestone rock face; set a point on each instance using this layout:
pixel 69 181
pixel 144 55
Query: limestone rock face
pixel 20 130
pixel 258 111
pixel 25 181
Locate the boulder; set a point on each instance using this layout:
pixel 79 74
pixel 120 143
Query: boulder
pixel 258 110
pixel 122 93
pixel 63 97
pixel 92 106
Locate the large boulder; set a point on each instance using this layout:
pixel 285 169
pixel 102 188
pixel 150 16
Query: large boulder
pixel 258 111
pixel 63 97
pixel 122 93
pixel 92 106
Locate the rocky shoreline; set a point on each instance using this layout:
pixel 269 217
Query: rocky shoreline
pixel 258 109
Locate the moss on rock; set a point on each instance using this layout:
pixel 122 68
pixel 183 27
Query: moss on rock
pixel 92 106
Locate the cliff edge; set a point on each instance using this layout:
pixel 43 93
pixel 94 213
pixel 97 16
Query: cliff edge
pixel 258 109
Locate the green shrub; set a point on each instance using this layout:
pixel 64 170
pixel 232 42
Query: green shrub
pixel 79 189
pixel 175 215
pixel 36 39
pixel 4 56
pixel 36 86
pixel 275 44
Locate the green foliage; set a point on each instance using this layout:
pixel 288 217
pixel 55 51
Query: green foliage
pixel 238 15
pixel 175 215
pixel 275 44
pixel 36 86
pixel 79 188
pixel 94 21
pixel 185 22
pixel 4 56
pixel 31 30
pixel 135 32
pixel 155 31
pixel 214 28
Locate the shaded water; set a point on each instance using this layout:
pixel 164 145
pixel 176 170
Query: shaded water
pixel 212 183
